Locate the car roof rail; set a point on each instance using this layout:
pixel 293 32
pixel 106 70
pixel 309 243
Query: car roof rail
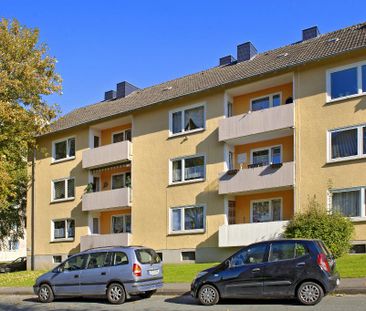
pixel 101 247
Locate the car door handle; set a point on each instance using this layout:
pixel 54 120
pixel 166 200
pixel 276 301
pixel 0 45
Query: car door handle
pixel 300 264
pixel 103 273
pixel 256 270
pixel 76 276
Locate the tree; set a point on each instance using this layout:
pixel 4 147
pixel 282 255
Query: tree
pixel 27 76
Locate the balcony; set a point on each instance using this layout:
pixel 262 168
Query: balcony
pixel 257 126
pixel 100 240
pixel 245 234
pixel 107 155
pixel 251 180
pixel 106 200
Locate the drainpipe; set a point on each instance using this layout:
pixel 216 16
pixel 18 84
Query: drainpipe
pixel 32 210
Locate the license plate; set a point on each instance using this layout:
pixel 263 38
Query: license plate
pixel 154 272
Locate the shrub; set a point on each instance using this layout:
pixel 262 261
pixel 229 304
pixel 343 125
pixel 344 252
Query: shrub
pixel 316 222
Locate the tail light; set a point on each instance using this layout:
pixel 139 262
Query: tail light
pixel 136 269
pixel 323 262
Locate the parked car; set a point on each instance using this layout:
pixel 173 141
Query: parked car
pixel 19 264
pixel 114 272
pixel 279 269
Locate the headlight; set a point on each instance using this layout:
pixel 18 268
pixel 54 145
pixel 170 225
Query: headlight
pixel 200 274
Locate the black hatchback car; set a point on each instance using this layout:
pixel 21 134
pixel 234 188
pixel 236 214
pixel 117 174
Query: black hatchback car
pixel 19 264
pixel 304 269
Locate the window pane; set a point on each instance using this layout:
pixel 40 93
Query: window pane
pixel 282 251
pixel 177 122
pixel 261 157
pixel 347 203
pixel 117 224
pixel 127 223
pixel 193 218
pixel 276 100
pixel 118 137
pixel 300 250
pixel 70 188
pixel 71 143
pixel 70 228
pixel 344 83
pixel 120 259
pixel 75 263
pixel 128 179
pixel 363 69
pixel 96 260
pixel 261 211
pixel 60 150
pixel 176 221
pixel 59 190
pixel 95 225
pixel 59 229
pixel 96 141
pixel 177 171
pixel 251 255
pixel 261 103
pixel 276 155
pixel 193 119
pixel 276 210
pixel 128 135
pixel 194 168
pixel 344 143
pixel 117 181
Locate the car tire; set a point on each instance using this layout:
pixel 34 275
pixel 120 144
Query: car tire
pixel 147 294
pixel 45 294
pixel 116 294
pixel 310 293
pixel 208 295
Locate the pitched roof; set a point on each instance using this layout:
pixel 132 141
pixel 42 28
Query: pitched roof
pixel 287 57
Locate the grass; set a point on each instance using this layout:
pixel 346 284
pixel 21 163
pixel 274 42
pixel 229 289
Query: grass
pixel 349 266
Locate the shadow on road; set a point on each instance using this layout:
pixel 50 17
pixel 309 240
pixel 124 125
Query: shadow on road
pixel 99 300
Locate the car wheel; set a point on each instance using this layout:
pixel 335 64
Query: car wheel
pixel 208 295
pixel 310 293
pixel 116 294
pixel 147 294
pixel 45 293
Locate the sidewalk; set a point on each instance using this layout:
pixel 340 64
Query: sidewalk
pixel 347 287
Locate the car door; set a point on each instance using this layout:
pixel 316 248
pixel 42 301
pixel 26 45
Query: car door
pixel 287 261
pixel 95 276
pixel 244 275
pixel 66 280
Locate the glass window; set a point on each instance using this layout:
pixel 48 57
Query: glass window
pixel 96 141
pixel 71 188
pixel 187 120
pixel 276 155
pixel 75 263
pixel 229 109
pixel 193 169
pixel 71 146
pixel 176 220
pixel 121 224
pixel 177 171
pixel 232 213
pixel 363 73
pixel 128 135
pixel 347 203
pixel 282 251
pixel 64 149
pixel 300 250
pixel 96 260
pixel 187 218
pixel 147 256
pixel 63 189
pixel 95 225
pixel 177 122
pixel 59 190
pixel 118 181
pixel 250 255
pixel 344 143
pixel 261 157
pixel 118 137
pixel 260 104
pixel 57 259
pixel 63 229
pixel 276 100
pixel 263 211
pixel 120 258
pixel 344 83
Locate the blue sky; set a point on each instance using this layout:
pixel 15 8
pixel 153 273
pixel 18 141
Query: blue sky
pixel 100 43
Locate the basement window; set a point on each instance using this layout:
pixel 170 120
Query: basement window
pixel 57 259
pixel 188 256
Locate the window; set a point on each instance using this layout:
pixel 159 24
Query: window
pixel 75 263
pixel 231 160
pixel 265 102
pixel 266 210
pixel 272 155
pixel 96 142
pixel 96 183
pixel 121 180
pixel 56 259
pixel 63 189
pixel 63 149
pixel 63 229
pixel 13 245
pixel 96 260
pixel 119 259
pixel 348 202
pixel 121 136
pixel 187 219
pixel 229 109
pixel 346 81
pixel 347 143
pixel 251 255
pixel 95 226
pixel 231 219
pixel 188 256
pixel 147 255
pixel 187 120
pixel 121 223
pixel 286 251
pixel 188 169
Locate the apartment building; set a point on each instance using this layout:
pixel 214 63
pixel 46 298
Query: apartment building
pixel 199 166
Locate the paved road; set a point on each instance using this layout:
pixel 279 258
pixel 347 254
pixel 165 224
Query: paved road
pixel 186 303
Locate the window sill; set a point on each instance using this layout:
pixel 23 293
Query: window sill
pixel 198 231
pixel 62 240
pixel 62 200
pixel 357 219
pixel 63 160
pixel 186 182
pixel 352 158
pixel 187 133
pixel 331 101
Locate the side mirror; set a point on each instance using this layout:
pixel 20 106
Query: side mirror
pixel 58 269
pixel 227 263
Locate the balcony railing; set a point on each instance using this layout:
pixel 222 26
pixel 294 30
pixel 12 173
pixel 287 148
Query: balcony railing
pixel 104 200
pixel 107 155
pixel 100 240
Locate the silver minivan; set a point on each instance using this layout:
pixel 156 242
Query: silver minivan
pixel 113 272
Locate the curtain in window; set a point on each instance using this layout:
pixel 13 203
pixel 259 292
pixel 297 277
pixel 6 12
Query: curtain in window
pixel 193 118
pixel 59 229
pixel 60 150
pixel 261 211
pixel 194 168
pixel 117 224
pixel 70 228
pixel 193 218
pixel 276 210
pixel 261 157
pixel 344 143
pixel 177 122
pixel 59 189
pixel 347 203
pixel 176 223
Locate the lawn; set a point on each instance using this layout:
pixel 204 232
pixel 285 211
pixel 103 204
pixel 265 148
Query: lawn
pixel 349 266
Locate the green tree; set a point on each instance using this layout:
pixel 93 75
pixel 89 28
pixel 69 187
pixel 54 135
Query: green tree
pixel 27 76
pixel 316 222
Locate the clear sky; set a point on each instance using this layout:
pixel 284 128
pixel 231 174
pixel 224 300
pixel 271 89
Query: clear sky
pixel 100 43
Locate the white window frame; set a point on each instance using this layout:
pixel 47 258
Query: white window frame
pixel 265 96
pixel 182 159
pixel 182 208
pixel 360 153
pixel 269 152
pixel 183 109
pixel 271 209
pixel 66 233
pixel 119 132
pixel 66 181
pixel 358 65
pixel 362 190
pixel 124 222
pixel 124 179
pixel 54 142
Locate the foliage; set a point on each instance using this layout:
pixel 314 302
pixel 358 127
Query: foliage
pixel 317 223
pixel 27 76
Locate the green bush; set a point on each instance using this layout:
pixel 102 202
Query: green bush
pixel 317 223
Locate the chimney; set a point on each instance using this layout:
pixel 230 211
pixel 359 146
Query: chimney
pixel 245 51
pixel 226 60
pixel 109 95
pixel 124 88
pixel 310 33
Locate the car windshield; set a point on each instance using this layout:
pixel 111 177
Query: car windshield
pixel 324 249
pixel 17 260
pixel 147 256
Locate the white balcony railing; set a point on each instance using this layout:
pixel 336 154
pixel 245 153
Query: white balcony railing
pixel 100 240
pixel 104 200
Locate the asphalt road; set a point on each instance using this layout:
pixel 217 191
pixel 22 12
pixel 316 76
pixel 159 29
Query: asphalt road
pixel 186 303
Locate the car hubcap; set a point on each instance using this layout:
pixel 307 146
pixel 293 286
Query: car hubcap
pixel 309 293
pixel 116 293
pixel 43 293
pixel 208 295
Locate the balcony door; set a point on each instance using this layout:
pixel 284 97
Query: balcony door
pixel 266 210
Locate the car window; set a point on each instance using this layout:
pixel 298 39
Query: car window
pixel 75 263
pixel 250 255
pixel 300 250
pixel 96 260
pixel 281 251
pixel 146 256
pixel 18 260
pixel 120 258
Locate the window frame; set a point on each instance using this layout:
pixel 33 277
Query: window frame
pixel 67 158
pixel 183 109
pixel 269 148
pixel 66 238
pixel 124 223
pixel 124 135
pixel 360 92
pixel 66 182
pixel 182 213
pixel 271 210
pixel 182 159
pixel 271 95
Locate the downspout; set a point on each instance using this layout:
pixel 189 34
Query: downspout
pixel 32 209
